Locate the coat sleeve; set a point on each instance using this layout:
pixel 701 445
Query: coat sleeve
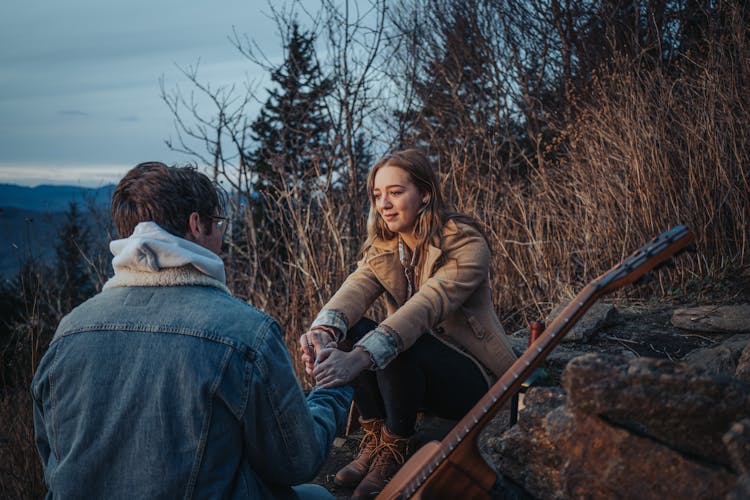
pixel 465 268
pixel 360 289
pixel 288 436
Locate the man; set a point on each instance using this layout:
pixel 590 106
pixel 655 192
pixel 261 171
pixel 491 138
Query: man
pixel 164 385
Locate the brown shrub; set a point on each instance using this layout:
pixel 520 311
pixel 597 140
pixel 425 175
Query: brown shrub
pixel 20 467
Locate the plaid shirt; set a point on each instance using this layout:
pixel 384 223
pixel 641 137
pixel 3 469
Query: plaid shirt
pixel 408 259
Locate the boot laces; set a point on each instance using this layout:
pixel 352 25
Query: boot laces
pixel 369 440
pixel 386 449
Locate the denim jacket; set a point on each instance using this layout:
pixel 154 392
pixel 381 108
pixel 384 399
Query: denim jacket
pixel 176 392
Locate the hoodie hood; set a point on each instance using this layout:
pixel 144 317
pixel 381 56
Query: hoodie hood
pixel 151 249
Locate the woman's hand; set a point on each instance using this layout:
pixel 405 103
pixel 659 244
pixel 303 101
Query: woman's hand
pixel 335 367
pixel 311 343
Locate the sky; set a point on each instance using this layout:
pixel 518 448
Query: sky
pixel 80 97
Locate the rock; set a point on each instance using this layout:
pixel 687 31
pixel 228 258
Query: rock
pixel 598 316
pixel 669 402
pixel 540 401
pixel 561 356
pixel 737 441
pixel 743 365
pixel 722 359
pixel 556 359
pixel 525 449
pixel 732 319
pixel 603 461
pixel 741 490
pixel 519 343
pixel 567 454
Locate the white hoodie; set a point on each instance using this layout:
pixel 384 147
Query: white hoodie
pixel 152 256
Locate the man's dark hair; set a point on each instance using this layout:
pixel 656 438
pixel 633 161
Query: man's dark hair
pixel 152 191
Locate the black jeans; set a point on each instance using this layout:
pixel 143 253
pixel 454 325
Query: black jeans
pixel 429 375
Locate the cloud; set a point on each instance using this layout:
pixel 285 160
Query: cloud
pixel 72 112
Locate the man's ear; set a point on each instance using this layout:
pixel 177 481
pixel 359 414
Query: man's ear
pixel 195 228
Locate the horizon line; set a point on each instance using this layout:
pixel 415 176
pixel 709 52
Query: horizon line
pixel 61 174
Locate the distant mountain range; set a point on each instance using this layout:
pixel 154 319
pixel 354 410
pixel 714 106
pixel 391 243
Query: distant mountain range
pixel 30 219
pixel 52 198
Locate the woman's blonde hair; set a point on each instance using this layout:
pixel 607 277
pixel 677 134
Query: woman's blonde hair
pixel 432 215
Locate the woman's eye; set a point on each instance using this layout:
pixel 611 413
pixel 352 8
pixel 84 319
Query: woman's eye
pixel 395 193
pixel 376 197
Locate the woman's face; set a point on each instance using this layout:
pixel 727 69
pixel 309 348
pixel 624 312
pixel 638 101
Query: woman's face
pixel 397 200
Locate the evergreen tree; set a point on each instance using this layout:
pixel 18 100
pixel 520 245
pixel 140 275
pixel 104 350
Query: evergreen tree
pixel 292 128
pixel 28 318
pixel 10 313
pixel 460 109
pixel 363 160
pixel 72 249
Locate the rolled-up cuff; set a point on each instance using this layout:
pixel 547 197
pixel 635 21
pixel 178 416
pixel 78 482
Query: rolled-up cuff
pixel 334 319
pixel 383 345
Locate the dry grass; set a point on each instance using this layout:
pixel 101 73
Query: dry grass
pixel 20 468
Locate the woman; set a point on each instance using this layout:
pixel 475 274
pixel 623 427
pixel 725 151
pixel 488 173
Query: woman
pixel 441 345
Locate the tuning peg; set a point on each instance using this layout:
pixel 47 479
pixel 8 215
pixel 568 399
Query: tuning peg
pixel 646 278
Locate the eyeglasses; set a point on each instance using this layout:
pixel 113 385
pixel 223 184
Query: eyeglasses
pixel 221 222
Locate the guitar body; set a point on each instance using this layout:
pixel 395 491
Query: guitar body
pixel 465 475
pixel 453 468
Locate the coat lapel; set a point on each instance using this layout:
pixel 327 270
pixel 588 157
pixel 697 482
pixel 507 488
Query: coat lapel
pixel 390 273
pixel 433 254
pixel 388 270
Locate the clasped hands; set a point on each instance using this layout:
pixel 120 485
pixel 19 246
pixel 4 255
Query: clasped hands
pixel 330 366
pixel 311 344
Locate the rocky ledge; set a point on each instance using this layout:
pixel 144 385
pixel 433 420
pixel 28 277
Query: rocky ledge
pixel 651 403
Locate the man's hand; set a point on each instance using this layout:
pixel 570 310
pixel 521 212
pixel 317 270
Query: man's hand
pixel 335 367
pixel 311 343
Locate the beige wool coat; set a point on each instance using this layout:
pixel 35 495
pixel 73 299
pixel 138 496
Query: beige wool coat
pixel 453 301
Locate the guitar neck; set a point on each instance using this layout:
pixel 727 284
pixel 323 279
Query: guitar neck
pixel 465 432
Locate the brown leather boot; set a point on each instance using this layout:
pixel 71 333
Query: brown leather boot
pixel 389 457
pixel 350 475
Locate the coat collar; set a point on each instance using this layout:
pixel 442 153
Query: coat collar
pixel 450 228
pixel 385 263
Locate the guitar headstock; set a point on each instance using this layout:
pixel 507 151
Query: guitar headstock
pixel 655 254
